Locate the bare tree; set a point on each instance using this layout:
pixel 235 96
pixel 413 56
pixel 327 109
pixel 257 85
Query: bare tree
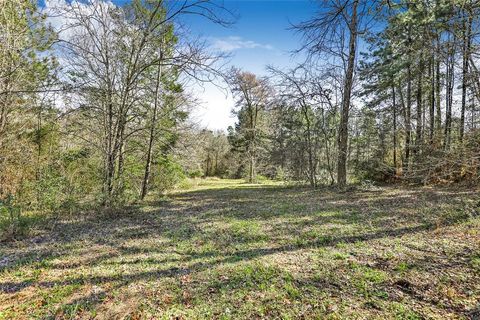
pixel 111 51
pixel 333 35
pixel 301 89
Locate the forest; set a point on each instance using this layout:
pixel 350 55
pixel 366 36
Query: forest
pixel 346 186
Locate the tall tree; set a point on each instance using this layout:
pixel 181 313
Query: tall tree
pixel 252 96
pixel 111 53
pixel 26 69
pixel 324 36
pixel 466 47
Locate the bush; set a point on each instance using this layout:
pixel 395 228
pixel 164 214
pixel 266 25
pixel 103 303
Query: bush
pixel 12 224
pixel 374 170
pixel 60 185
pixel 198 173
pixel 49 190
pixel 168 174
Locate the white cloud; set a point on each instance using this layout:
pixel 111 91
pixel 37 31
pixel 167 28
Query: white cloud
pixel 63 15
pixel 233 43
pixel 215 108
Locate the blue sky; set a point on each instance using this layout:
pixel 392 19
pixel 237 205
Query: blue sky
pixel 260 37
pixel 264 23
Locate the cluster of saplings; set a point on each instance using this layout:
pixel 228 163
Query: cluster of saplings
pixel 94 109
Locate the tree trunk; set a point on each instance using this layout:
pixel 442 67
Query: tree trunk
pixel 418 133
pixel 148 162
pixel 311 165
pixel 251 174
pixel 472 110
pixel 408 124
pixel 438 106
pixel 466 52
pixel 431 72
pixel 343 128
pixel 394 107
pixel 449 96
pixel 109 156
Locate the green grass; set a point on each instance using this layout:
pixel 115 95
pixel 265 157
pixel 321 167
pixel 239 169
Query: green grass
pixel 476 261
pixel 226 249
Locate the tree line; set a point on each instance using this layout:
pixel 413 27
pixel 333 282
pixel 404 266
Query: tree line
pixel 388 91
pixel 94 100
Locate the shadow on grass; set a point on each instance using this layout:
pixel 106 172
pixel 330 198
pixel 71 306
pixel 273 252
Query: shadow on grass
pixel 193 218
pixel 225 258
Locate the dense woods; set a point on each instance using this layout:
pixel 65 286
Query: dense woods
pixel 95 110
pixel 404 110
pixel 92 108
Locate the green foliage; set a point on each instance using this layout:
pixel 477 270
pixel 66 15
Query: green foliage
pixel 280 174
pixel 49 190
pixel 246 231
pixel 25 63
pixel 475 261
pixel 12 224
pixel 374 170
pixel 195 173
pixel 450 216
pixel 402 312
pixel 403 266
pixel 63 184
pixel 261 178
pixel 257 275
pixel 167 175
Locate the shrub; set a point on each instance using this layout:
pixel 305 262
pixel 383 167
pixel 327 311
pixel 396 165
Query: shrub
pixel 374 170
pixel 12 224
pixel 196 173
pixel 168 174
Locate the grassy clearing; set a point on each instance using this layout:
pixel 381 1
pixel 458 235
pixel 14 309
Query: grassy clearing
pixel 229 250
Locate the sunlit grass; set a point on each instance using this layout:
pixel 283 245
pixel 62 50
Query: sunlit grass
pixel 226 249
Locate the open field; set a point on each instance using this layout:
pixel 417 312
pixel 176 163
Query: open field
pixel 229 250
